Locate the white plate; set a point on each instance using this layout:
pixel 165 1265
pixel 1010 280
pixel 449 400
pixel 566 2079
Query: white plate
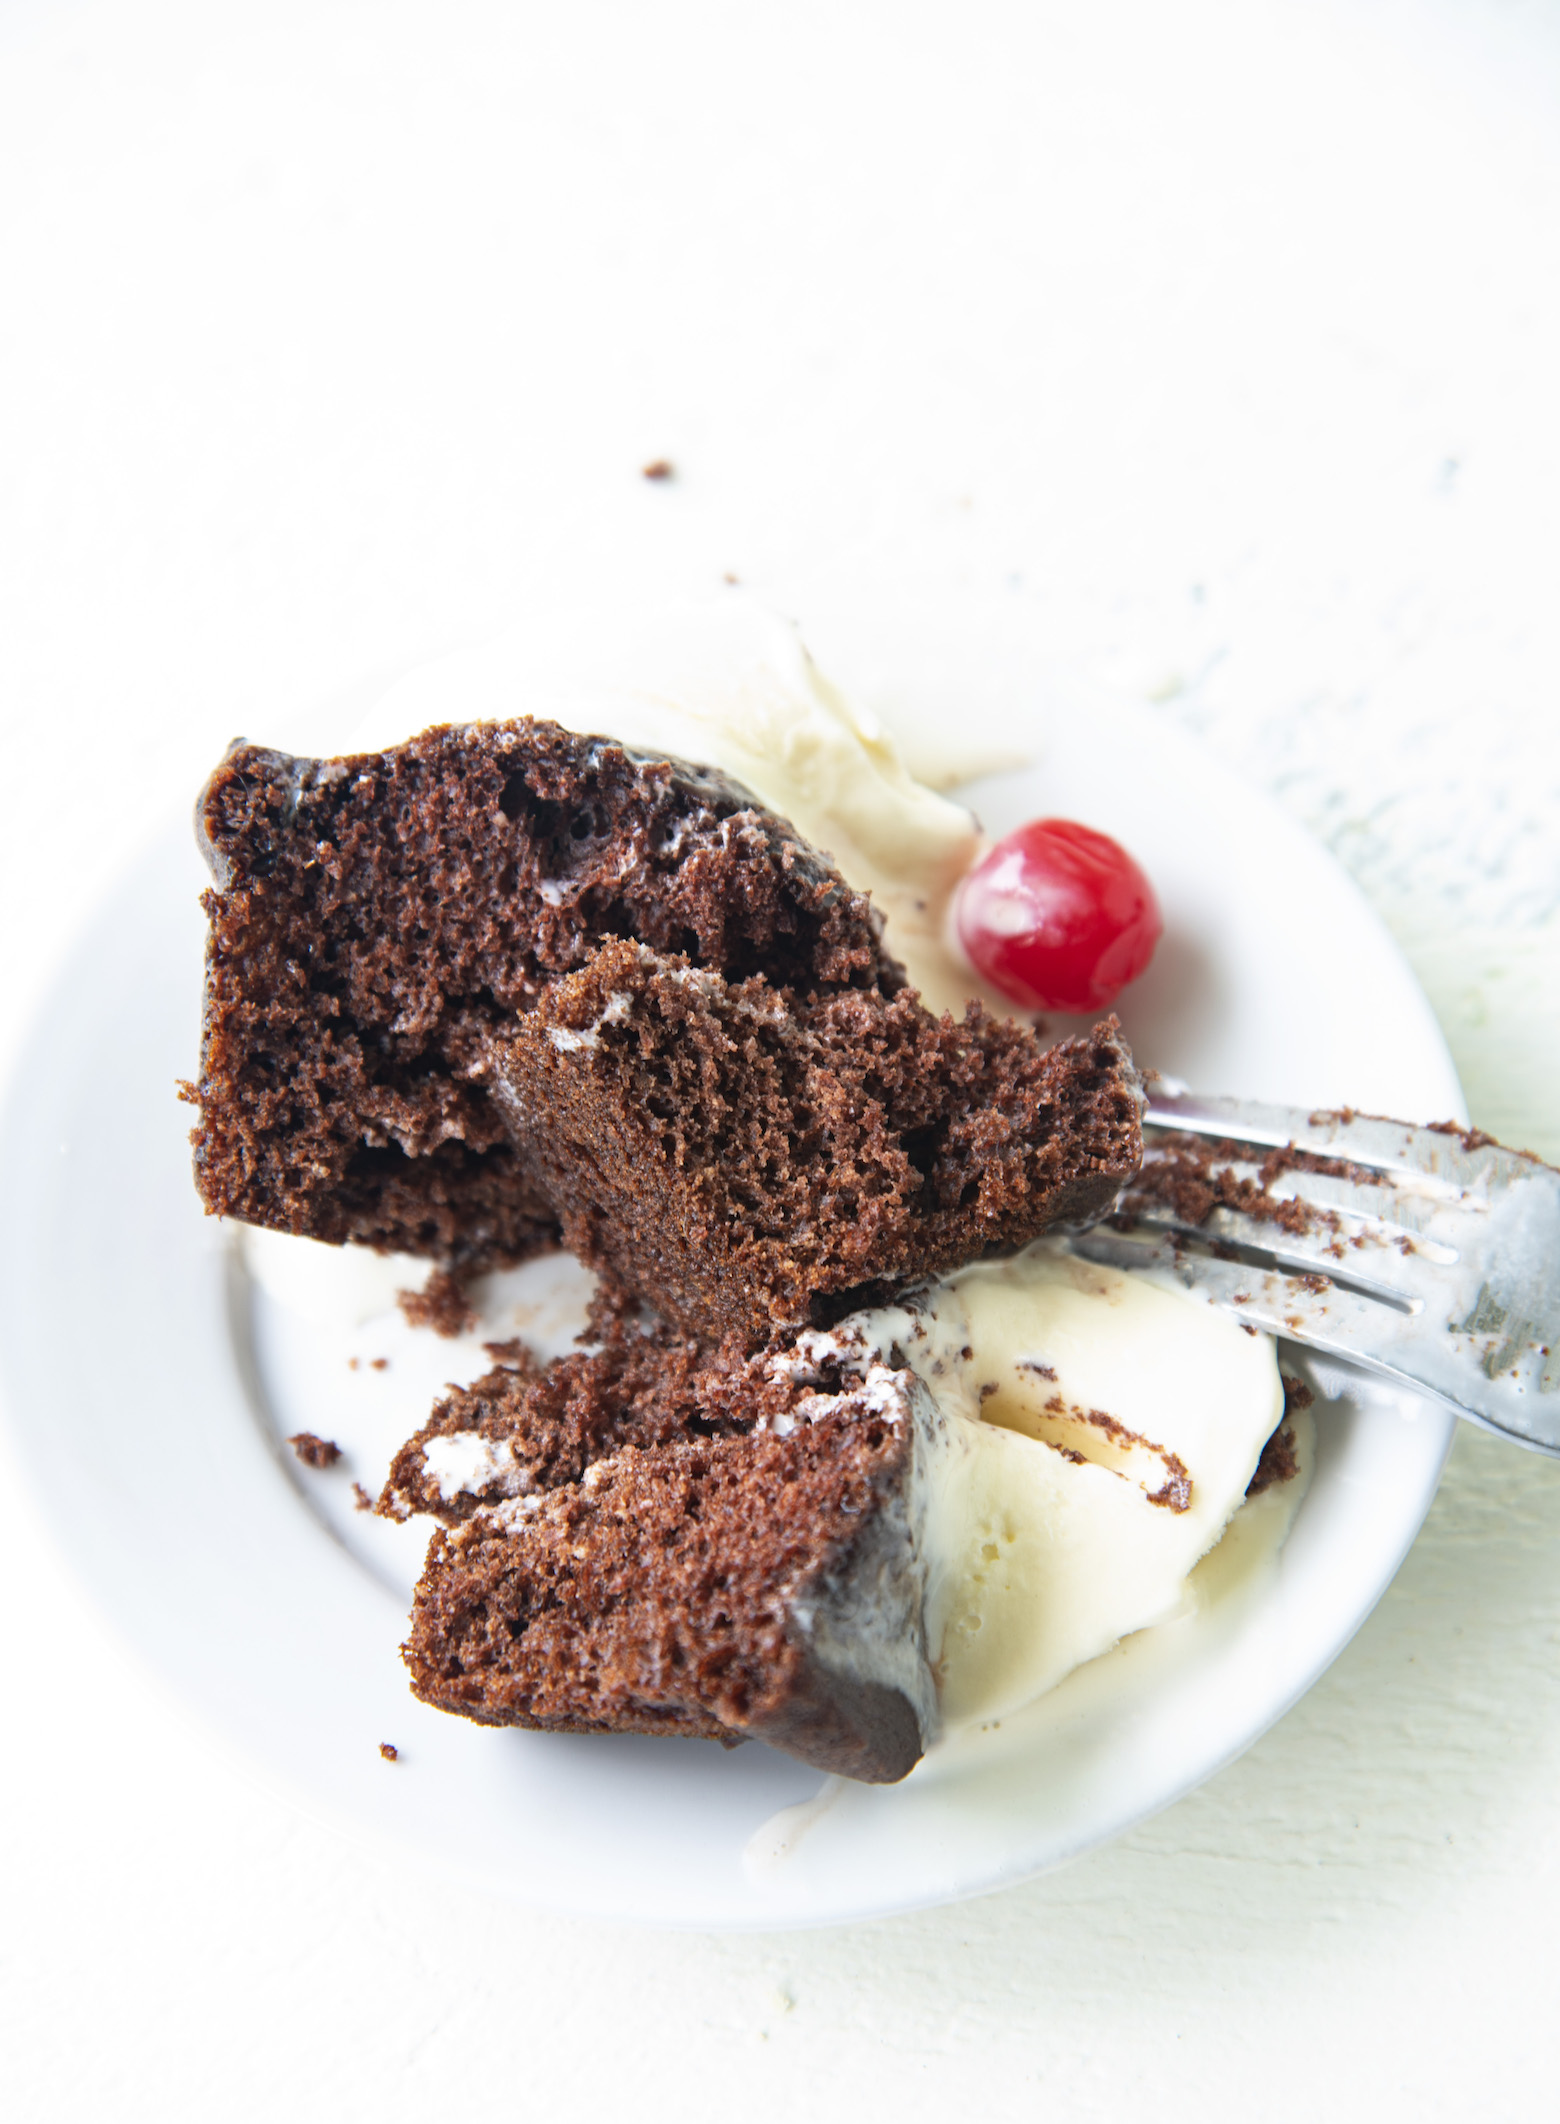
pixel 148 1387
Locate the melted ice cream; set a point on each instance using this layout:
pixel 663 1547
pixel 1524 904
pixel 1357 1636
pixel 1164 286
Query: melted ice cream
pixel 1099 1431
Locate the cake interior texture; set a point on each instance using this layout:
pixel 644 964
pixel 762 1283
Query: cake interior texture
pixel 757 1159
pixel 651 1537
pixel 373 920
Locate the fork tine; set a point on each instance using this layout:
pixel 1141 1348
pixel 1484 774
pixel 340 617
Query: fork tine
pixel 1450 1158
pixel 1454 1362
pixel 1384 1208
pixel 1376 1264
pixel 1368 1195
pixel 1320 1315
pixel 1431 1255
pixel 1373 1231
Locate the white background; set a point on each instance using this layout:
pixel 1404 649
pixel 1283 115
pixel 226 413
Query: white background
pixel 1225 336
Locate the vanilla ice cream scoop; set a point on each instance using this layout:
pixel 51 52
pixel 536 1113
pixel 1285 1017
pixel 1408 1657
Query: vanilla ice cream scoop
pixel 1097 1433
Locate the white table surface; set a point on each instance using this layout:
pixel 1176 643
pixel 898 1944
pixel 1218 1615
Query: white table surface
pixel 1226 337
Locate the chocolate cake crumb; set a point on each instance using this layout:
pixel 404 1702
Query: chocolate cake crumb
pixel 1279 1461
pixel 515 1355
pixel 441 1304
pixel 389 1751
pixel 379 1364
pixel 314 1452
pixel 659 468
pixel 361 1501
pixel 1471 1139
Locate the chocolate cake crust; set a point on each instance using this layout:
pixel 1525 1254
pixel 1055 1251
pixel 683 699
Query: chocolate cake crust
pixel 373 919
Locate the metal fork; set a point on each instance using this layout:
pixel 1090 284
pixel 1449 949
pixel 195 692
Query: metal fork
pixel 1429 1256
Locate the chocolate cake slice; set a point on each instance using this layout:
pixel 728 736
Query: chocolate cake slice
pixel 755 1159
pixel 374 920
pixel 648 1539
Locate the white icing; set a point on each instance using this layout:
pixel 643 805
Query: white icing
pixel 566 1040
pixel 464 1462
pixel 512 1512
pixel 879 1394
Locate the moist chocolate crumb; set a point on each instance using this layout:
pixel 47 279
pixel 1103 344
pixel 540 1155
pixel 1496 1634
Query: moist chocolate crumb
pixel 314 1452
pixel 352 1364
pixel 389 1751
pixel 1471 1139
pixel 361 1501
pixel 379 1364
pixel 1277 1464
pixel 441 1304
pixel 515 1355
pixel 659 468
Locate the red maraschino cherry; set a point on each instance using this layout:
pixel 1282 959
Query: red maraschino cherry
pixel 1058 917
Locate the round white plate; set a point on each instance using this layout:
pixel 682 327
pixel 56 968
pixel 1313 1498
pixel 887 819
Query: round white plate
pixel 149 1384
